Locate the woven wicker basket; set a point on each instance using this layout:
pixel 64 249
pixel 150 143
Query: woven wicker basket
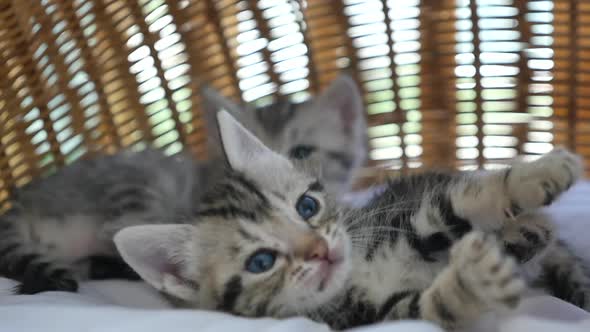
pixel 446 82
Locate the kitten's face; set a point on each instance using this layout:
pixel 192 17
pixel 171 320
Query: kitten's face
pixel 267 239
pixel 330 129
pixel 292 256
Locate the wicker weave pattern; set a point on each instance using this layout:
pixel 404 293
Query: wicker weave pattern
pixel 87 76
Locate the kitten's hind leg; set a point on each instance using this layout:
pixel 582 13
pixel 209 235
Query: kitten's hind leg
pixel 564 276
pixel 493 198
pixel 27 256
pixel 478 279
pixel 35 271
pixel 43 276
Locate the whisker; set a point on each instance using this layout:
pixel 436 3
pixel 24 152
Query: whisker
pixel 353 217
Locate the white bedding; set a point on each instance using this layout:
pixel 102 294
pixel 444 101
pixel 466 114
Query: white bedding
pixel 134 307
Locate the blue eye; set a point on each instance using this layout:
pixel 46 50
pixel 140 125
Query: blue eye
pixel 261 261
pixel 301 151
pixel 307 207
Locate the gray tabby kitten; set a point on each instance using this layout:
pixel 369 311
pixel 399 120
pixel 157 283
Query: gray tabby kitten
pixel 268 240
pixel 330 130
pixel 60 228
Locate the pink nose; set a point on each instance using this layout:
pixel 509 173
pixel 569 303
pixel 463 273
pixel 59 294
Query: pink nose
pixel 318 250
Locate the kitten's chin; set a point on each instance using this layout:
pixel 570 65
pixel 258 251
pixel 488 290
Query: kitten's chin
pixel 328 282
pixel 333 278
pixel 323 284
pixel 333 281
pixel 318 292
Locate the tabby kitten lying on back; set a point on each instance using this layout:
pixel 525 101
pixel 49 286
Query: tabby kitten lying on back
pixel 60 228
pixel 269 241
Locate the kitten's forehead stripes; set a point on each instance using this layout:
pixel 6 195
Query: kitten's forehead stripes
pixel 279 195
pixel 227 212
pixel 235 196
pixel 222 191
pixel 248 236
pixel 251 187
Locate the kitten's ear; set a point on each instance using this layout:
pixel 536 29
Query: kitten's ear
pixel 213 102
pixel 242 149
pixel 343 96
pixel 162 255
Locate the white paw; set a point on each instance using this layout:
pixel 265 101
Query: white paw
pixel 490 275
pixel 538 183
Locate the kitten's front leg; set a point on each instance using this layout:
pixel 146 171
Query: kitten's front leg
pixel 479 278
pixel 536 184
pixel 492 197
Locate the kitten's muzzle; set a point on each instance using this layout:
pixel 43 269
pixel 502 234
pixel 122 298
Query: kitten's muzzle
pixel 326 268
pixel 318 250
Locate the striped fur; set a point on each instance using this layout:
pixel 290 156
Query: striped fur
pixel 60 229
pixel 431 246
pixel 330 128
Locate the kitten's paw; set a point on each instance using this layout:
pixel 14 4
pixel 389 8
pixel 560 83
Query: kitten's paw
pixel 485 272
pixel 527 237
pixel 58 280
pixel 536 184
